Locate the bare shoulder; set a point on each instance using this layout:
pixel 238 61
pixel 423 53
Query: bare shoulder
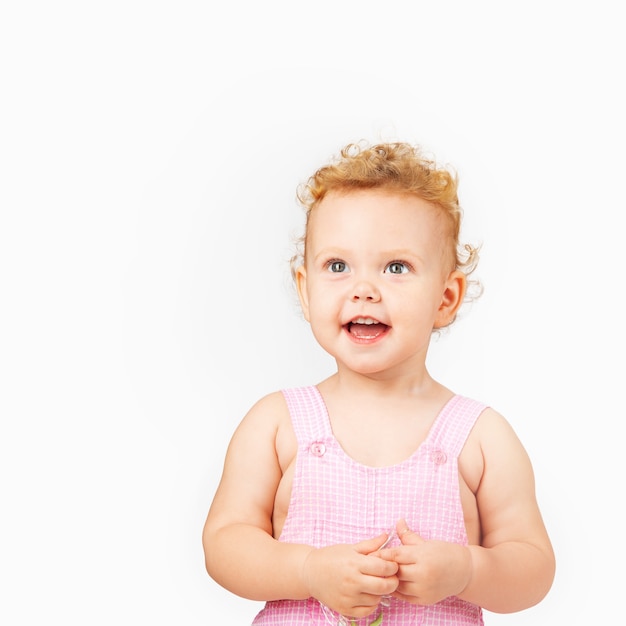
pixel 269 420
pixel 267 412
pixel 252 469
pixel 491 444
pixel 498 441
pixel 263 420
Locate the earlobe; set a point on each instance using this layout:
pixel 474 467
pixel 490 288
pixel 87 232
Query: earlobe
pixel 300 277
pixel 452 299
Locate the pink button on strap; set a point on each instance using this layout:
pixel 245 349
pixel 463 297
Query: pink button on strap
pixel 317 449
pixel 438 457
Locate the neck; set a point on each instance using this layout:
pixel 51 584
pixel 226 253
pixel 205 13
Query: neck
pixel 413 384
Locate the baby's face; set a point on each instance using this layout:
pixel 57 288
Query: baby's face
pixel 376 278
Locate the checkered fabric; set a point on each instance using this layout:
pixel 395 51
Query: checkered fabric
pixel 334 500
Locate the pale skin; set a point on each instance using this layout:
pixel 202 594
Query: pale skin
pixel 379 256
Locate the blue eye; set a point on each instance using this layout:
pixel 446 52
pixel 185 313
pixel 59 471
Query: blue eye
pixel 337 267
pixel 397 267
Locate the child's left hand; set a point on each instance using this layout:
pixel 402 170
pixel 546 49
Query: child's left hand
pixel 429 571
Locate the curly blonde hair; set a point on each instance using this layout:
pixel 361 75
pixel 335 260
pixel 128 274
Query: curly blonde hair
pixel 398 167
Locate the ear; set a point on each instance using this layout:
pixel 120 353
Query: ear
pixel 452 299
pixel 300 277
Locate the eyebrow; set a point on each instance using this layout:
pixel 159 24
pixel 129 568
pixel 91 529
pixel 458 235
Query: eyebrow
pixel 394 254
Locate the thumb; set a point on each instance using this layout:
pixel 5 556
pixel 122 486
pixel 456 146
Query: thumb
pixel 407 536
pixel 371 545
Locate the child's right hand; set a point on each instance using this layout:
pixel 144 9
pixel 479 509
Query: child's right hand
pixel 349 579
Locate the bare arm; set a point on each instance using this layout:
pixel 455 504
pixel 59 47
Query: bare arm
pixel 240 551
pixel 513 567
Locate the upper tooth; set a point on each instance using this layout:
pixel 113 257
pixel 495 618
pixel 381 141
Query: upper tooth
pixel 365 320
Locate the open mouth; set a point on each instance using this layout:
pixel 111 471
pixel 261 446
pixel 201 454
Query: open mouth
pixel 366 328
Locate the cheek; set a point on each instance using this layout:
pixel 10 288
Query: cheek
pixel 324 312
pixel 318 314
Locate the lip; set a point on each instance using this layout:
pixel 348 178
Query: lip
pixel 371 330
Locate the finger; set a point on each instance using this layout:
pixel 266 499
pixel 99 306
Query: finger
pixel 371 545
pixel 407 536
pixel 405 597
pixel 378 586
pixel 402 555
pixel 363 610
pixel 388 538
pixel 378 567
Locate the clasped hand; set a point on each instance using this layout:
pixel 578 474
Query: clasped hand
pixel 352 579
pixel 428 571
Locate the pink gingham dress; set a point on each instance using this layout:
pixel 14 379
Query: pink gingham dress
pixel 335 500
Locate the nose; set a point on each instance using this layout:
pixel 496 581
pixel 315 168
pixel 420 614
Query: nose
pixel 365 291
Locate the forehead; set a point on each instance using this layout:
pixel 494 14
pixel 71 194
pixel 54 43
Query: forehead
pixel 375 215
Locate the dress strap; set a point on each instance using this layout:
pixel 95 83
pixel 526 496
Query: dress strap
pixel 308 413
pixel 454 424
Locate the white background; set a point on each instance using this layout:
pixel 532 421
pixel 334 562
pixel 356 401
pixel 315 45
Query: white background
pixel 150 153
